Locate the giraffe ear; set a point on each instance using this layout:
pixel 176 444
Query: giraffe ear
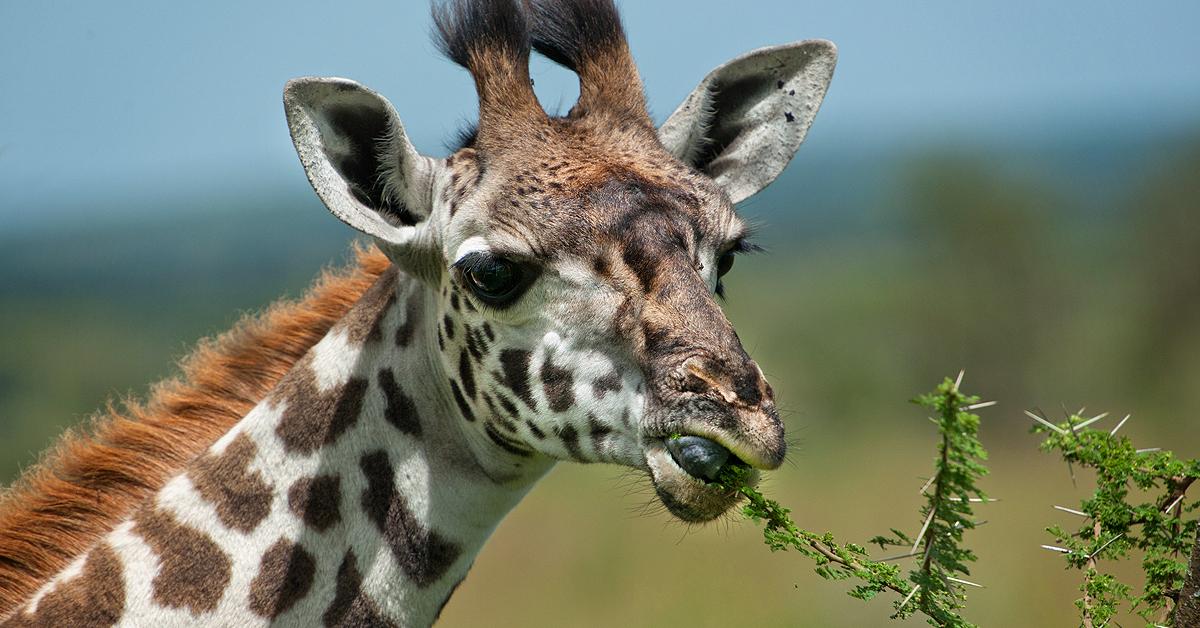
pixel 744 122
pixel 359 160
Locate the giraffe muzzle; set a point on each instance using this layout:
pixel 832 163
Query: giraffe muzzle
pixel 684 469
pixel 717 414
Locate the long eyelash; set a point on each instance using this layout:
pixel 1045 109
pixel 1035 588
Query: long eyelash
pixel 473 261
pixel 744 245
pixel 741 246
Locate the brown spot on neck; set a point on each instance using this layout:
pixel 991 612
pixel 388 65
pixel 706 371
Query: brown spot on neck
pixel 422 554
pixel 400 410
pixel 351 606
pixel 193 572
pixel 570 440
pixel 317 501
pixel 241 497
pixel 311 418
pixel 412 316
pixel 365 322
pixel 93 599
pixel 285 576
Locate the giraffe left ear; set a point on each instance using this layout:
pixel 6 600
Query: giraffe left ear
pixel 360 162
pixel 744 122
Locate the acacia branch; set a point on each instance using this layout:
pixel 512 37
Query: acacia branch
pixel 1187 612
pixel 938 486
pixel 1091 566
pixel 851 564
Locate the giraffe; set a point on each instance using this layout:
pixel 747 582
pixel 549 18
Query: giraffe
pixel 547 292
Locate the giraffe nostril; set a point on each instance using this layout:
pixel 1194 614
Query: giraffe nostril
pixel 744 385
pixel 699 456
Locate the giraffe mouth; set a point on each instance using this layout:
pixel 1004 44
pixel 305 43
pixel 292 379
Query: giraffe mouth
pixel 700 457
pixel 687 445
pixel 683 469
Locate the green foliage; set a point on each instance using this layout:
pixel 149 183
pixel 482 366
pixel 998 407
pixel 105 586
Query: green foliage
pixel 932 588
pixel 1138 505
pixel 834 561
pixel 947 511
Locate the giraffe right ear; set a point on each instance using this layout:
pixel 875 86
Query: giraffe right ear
pixel 746 119
pixel 360 161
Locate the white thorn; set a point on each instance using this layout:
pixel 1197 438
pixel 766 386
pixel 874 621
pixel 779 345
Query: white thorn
pixel 1055 548
pixel 1173 504
pixel 1072 511
pixel 961 581
pixel 978 406
pixel 924 527
pixel 1114 430
pixel 1101 549
pixel 927 485
pixel 974 500
pixel 1089 421
pixel 901 556
pixel 1148 450
pixel 910 595
pixel 958 382
pixel 1045 422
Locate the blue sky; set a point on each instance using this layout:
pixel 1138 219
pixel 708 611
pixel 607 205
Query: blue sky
pixel 121 99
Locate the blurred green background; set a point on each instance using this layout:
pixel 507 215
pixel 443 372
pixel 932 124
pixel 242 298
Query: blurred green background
pixel 1049 245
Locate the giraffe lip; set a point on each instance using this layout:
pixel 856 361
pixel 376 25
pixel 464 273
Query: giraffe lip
pixel 754 437
pixel 739 450
pixel 687 496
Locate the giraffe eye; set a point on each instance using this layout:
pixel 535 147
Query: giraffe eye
pixel 494 280
pixel 725 263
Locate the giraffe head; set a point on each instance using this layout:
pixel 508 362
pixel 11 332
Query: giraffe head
pixel 578 259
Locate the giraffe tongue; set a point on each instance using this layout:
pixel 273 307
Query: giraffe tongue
pixel 699 456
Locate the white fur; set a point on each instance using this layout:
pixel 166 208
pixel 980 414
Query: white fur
pixel 334 360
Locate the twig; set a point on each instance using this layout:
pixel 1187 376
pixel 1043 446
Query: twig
pixel 1087 578
pixel 1187 613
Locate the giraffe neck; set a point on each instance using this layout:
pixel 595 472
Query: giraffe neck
pixel 356 493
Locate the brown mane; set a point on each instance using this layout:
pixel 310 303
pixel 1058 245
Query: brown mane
pixel 91 481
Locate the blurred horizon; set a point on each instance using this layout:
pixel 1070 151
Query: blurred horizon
pixel 132 101
pixel 1010 188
